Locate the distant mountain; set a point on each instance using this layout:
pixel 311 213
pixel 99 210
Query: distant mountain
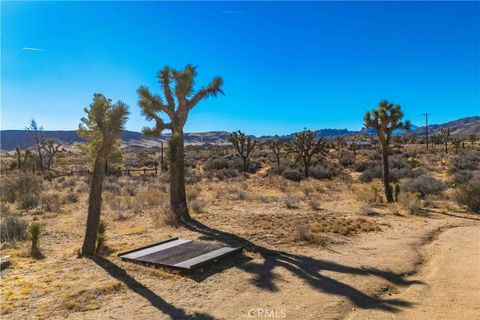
pixel 461 127
pixel 9 139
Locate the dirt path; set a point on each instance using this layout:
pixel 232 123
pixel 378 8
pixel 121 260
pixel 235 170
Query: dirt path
pixel 451 278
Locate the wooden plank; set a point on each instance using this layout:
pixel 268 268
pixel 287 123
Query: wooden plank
pixel 206 258
pixel 179 253
pixel 161 247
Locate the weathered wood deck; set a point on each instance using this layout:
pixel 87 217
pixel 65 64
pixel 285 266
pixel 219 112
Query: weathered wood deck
pixel 179 254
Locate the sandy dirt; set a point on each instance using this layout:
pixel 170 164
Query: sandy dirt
pixel 450 281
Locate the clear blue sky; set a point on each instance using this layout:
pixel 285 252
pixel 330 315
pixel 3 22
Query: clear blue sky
pixel 286 66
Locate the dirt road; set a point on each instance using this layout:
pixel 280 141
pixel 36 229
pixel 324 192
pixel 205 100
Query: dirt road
pixel 451 281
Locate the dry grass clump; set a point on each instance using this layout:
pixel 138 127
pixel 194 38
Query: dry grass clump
pixel 50 201
pixel 468 194
pixel 198 205
pixel 87 299
pixel 292 201
pixel 304 233
pixel 411 201
pixel 344 226
pixel 192 192
pixel 12 228
pixel 366 209
pixel 314 204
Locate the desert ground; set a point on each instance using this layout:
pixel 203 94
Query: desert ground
pixel 327 247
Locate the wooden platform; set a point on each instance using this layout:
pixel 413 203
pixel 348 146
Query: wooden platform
pixel 180 254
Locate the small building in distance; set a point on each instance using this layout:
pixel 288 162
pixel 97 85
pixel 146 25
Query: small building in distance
pixel 358 144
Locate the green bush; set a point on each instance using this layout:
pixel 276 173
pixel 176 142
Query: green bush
pixel 34 231
pixel 101 235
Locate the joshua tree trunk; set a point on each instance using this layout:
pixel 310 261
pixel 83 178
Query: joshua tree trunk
pixel 178 199
pixel 94 203
pixel 306 166
pixel 386 173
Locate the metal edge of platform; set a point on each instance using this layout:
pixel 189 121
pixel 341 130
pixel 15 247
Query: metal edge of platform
pixel 146 247
pixel 173 267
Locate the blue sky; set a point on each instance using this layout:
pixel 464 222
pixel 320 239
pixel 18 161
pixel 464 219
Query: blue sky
pixel 286 66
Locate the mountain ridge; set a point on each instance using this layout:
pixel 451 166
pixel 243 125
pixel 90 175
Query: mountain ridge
pixel 9 139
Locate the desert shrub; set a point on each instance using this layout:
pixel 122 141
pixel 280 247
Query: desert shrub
pixel 366 209
pixel 375 156
pixel 101 235
pixel 424 185
pixel 34 232
pixel 465 161
pixel 370 174
pixel 301 232
pixel 319 172
pixel 315 204
pixel 71 197
pixel 28 201
pixel 50 201
pixel 226 173
pixel 411 201
pixel 216 164
pixel 361 166
pixel 277 170
pixel 397 162
pixel 254 166
pixel 198 205
pixel 468 194
pixel 193 192
pixel 12 229
pixel 111 185
pixel 291 202
pixel 67 183
pixel 462 176
pixel 346 159
pixel 162 216
pixel 26 186
pixel 293 175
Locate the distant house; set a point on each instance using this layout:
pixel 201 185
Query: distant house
pixel 359 144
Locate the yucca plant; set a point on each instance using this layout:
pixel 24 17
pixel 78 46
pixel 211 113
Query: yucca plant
pixel 34 231
pixel 101 235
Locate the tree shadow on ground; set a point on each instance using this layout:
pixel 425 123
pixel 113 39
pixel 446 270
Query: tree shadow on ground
pixel 156 301
pixel 306 268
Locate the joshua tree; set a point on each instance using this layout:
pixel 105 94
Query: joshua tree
pixel 473 138
pixel 446 137
pixel 457 142
pixel 176 104
pixel 102 127
pixel 304 146
pixel 35 131
pixel 51 149
pixel 277 147
pixel 244 146
pixel 386 118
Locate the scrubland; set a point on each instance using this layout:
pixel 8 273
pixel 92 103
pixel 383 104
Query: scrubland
pixel 317 248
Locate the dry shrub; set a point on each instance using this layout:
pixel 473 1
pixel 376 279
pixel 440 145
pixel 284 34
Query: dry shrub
pixel 12 228
pixel 23 188
pixel 198 205
pixel 344 226
pixel 50 201
pixel 193 192
pixel 162 216
pixel 366 209
pixel 411 201
pixel 292 201
pixel 468 194
pixel 315 204
pixel 293 175
pixel 424 185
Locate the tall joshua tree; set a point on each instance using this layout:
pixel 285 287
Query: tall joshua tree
pixel 179 98
pixel 102 127
pixel 244 146
pixel 304 147
pixel 446 137
pixel 386 118
pixel 36 132
pixel 277 147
